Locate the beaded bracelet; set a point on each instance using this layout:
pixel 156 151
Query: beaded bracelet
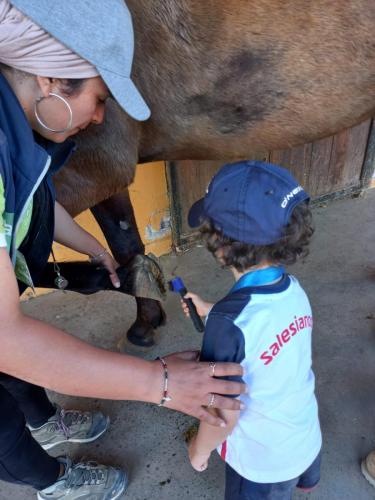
pixel 165 398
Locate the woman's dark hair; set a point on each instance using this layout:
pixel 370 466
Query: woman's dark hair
pixel 242 256
pixel 71 86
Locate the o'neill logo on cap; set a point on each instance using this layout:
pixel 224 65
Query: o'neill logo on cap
pixel 289 196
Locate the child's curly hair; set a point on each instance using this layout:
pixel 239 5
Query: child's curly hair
pixel 242 256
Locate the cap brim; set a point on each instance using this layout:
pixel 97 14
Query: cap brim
pixel 196 213
pixel 126 94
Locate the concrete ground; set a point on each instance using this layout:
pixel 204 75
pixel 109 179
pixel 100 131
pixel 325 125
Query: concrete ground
pixel 339 276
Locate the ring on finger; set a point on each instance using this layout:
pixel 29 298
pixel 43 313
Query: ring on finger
pixel 211 401
pixel 212 365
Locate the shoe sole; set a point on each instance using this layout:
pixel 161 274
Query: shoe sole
pixel 88 440
pixel 366 473
pixel 113 498
pixel 121 492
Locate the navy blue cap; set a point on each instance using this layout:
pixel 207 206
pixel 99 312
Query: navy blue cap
pixel 249 201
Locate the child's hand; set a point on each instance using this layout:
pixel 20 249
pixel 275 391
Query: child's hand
pixel 199 461
pixel 203 308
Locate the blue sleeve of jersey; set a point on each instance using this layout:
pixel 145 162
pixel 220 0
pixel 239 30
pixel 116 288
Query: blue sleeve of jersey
pixel 223 341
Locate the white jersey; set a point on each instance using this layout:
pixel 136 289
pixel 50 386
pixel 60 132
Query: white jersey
pixel 268 330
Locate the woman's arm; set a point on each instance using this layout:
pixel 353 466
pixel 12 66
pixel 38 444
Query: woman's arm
pixel 72 235
pixel 46 356
pixel 209 438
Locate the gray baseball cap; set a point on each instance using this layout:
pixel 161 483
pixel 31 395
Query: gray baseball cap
pixel 100 31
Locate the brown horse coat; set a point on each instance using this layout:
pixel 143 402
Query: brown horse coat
pixel 225 78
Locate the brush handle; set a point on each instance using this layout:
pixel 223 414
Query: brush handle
pixel 195 318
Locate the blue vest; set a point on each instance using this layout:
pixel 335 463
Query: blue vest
pixel 23 162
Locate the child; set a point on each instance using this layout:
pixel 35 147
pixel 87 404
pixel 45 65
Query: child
pixel 255 219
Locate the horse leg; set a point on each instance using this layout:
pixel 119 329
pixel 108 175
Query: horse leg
pixel 87 278
pixel 115 217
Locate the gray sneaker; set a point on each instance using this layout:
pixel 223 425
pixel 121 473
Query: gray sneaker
pixel 86 481
pixel 71 426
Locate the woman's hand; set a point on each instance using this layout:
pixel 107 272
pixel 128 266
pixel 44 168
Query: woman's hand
pixel 106 260
pixel 70 234
pixel 198 460
pixel 203 307
pixel 192 384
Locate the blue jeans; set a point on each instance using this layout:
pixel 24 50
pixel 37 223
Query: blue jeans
pixel 22 459
pixel 239 488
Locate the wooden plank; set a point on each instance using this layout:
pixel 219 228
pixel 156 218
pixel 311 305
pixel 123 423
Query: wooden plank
pixel 357 144
pixel 338 160
pixel 348 153
pixel 297 160
pixel 368 168
pixel 319 167
pixel 188 181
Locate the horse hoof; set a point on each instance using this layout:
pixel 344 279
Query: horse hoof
pixel 146 278
pixel 141 335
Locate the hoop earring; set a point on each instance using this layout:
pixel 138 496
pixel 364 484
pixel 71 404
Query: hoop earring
pixel 40 121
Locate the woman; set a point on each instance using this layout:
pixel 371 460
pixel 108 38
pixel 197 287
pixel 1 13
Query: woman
pixel 48 89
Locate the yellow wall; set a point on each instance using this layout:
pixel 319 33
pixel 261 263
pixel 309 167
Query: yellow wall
pixel 149 196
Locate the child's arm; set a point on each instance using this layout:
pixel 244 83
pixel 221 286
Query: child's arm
pixel 209 438
pixel 203 307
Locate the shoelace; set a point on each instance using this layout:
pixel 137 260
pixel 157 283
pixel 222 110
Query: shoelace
pixel 65 419
pixel 83 474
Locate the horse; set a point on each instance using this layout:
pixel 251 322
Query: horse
pixel 223 79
